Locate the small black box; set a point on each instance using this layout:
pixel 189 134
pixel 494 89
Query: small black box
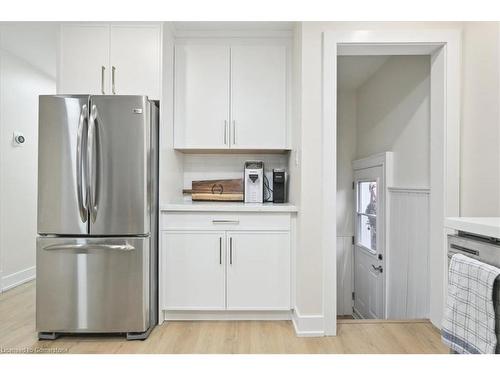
pixel 279 186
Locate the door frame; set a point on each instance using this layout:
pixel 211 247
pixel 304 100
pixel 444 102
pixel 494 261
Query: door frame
pixel 444 48
pixel 385 161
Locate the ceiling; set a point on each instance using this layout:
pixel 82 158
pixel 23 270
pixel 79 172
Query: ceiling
pixel 353 71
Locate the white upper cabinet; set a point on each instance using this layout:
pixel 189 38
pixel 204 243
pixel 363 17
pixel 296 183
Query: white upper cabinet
pixel 201 112
pixel 84 60
pixel 259 97
pixel 136 60
pixel 231 97
pixel 110 59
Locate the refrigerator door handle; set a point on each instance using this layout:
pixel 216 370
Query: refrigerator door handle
pixel 93 162
pixel 80 162
pixel 72 246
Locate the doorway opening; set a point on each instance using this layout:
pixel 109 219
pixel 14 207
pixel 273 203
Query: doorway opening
pixel 443 48
pixel 383 179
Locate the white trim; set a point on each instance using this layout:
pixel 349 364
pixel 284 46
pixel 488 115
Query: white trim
pixel 307 325
pixel 18 278
pixel 377 160
pixel 445 148
pixel 415 190
pixel 381 49
pixel 1 190
pixel 329 184
pixel 169 315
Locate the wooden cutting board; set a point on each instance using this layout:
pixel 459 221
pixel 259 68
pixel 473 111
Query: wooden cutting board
pixel 217 190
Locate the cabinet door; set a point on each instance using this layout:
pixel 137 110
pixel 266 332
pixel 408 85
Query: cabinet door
pixel 84 60
pixel 201 113
pixel 194 276
pixel 259 97
pixel 258 271
pixel 136 60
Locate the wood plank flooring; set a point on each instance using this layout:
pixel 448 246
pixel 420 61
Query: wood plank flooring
pixel 17 332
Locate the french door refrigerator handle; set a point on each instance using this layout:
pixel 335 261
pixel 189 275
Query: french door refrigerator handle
pixel 124 247
pixel 80 162
pixel 93 185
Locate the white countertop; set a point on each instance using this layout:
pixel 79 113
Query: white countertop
pixel 483 226
pixel 228 207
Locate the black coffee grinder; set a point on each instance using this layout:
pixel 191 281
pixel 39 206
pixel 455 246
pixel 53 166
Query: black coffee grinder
pixel 279 186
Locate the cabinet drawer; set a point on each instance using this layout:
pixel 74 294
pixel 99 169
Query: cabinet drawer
pixel 225 221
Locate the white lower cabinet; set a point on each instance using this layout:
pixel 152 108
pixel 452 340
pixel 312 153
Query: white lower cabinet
pixel 243 270
pixel 258 271
pixel 194 277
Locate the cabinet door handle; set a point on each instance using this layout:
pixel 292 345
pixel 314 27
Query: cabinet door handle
pixel 220 250
pixel 225 132
pixel 234 132
pixel 227 221
pixel 103 68
pixel 231 250
pixel 113 69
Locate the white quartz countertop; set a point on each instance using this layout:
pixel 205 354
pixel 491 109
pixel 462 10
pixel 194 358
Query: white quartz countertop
pixel 228 207
pixel 483 226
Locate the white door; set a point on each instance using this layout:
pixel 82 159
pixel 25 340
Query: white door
pixel 84 60
pixel 201 103
pixel 194 264
pixel 259 97
pixel 258 271
pixel 369 243
pixel 136 60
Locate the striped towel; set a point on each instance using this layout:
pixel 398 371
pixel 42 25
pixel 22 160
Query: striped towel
pixel 469 316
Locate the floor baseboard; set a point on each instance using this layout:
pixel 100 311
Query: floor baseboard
pixel 308 325
pixel 18 278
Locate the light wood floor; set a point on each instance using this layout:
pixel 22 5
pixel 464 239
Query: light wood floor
pixel 17 331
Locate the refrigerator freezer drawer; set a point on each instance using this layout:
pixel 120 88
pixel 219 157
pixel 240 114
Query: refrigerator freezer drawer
pixel 93 284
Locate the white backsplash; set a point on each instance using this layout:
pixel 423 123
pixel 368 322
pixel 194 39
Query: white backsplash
pixel 226 166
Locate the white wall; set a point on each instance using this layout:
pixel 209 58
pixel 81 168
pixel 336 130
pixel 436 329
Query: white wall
pixel 171 161
pixel 20 84
pixel 480 136
pixel 408 264
pixel 393 114
pixel 346 153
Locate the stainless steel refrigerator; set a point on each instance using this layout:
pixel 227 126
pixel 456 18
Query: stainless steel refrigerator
pixel 97 241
